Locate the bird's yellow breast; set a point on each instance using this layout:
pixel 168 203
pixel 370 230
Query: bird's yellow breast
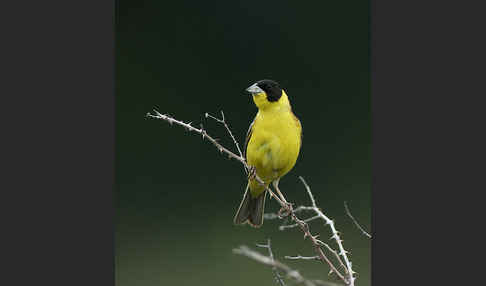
pixel 274 145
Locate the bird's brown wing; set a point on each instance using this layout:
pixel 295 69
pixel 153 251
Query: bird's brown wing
pixel 297 122
pixel 248 136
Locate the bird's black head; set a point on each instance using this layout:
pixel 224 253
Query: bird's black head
pixel 271 88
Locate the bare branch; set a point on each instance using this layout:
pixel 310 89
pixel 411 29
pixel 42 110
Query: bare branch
pixel 289 272
pixel 354 220
pixel 342 252
pixel 303 208
pixel 335 254
pixel 302 224
pixel 221 149
pixel 298 257
pixel 201 131
pixel 270 216
pixel 317 257
pixel 278 278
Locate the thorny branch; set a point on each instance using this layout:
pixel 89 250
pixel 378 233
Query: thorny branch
pixel 201 131
pixel 298 257
pixel 342 251
pixel 347 265
pixel 221 149
pixel 289 272
pixel 348 277
pixel 354 220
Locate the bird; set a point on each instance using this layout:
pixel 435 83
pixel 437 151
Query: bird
pixel 271 148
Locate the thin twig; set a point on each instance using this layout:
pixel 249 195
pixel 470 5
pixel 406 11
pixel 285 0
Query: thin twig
pixel 317 247
pixel 223 121
pixel 289 272
pixel 283 227
pixel 298 257
pixel 354 220
pixel 335 254
pixel 201 131
pixel 303 208
pixel 278 278
pixel 270 216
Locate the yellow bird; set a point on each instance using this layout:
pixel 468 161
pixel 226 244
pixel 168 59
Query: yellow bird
pixel 272 146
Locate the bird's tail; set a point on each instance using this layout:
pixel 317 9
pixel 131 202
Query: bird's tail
pixel 251 209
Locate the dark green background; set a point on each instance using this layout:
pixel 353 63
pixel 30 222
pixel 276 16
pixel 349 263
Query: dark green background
pixel 175 194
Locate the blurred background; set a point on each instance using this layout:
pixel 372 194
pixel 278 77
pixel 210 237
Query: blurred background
pixel 176 195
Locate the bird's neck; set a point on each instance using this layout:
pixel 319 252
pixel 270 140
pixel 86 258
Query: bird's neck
pixel 282 105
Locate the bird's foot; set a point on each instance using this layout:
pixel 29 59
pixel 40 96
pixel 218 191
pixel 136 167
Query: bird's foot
pixel 285 211
pixel 251 172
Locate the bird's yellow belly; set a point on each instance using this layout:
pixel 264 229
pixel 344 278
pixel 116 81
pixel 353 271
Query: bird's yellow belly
pixel 273 150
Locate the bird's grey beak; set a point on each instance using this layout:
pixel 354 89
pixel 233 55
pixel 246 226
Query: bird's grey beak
pixel 254 89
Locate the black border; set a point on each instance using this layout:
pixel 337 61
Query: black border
pixel 58 143
pixel 58 140
pixel 427 125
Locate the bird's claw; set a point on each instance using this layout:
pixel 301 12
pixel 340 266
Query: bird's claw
pixel 285 211
pixel 251 172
